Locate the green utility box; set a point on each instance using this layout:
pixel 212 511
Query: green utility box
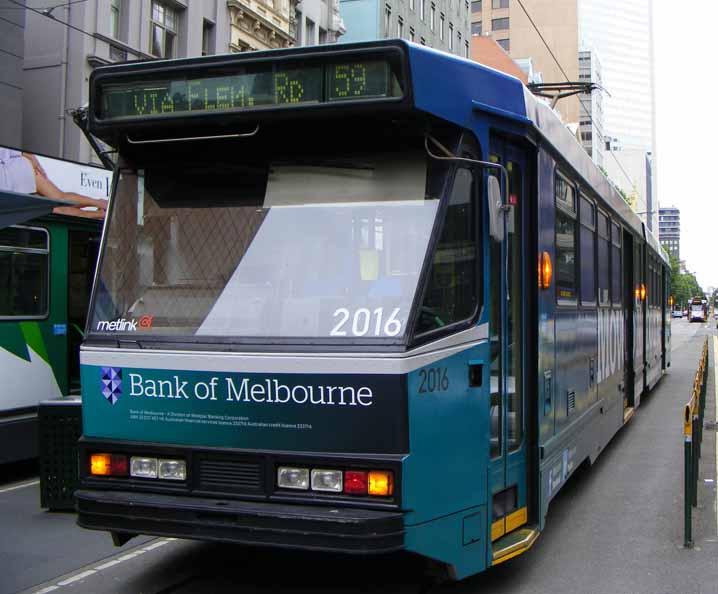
pixel 59 428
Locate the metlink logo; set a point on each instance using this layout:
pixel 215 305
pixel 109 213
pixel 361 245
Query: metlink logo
pixel 123 325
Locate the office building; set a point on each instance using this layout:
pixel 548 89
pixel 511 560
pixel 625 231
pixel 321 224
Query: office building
pixel 441 24
pixel 591 107
pixel 318 22
pixel 12 34
pixel 669 230
pixel 59 59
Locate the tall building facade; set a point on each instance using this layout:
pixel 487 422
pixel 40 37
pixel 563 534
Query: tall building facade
pixel 441 24
pixel 669 230
pixel 12 36
pixel 591 107
pixel 59 59
pixel 318 22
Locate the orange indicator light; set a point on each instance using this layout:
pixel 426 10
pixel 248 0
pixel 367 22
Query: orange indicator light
pixel 643 292
pixel 100 464
pixel 545 271
pixel 381 483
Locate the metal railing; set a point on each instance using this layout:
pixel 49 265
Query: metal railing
pixel 693 437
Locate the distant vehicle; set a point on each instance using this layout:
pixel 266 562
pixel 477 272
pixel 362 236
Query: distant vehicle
pixel 676 313
pixel 698 310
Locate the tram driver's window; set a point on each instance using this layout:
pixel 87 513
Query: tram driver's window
pixel 565 240
pixel 451 295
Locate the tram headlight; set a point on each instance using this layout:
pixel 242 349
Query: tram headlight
pixel 293 478
pixel 327 480
pixel 143 467
pixel 172 470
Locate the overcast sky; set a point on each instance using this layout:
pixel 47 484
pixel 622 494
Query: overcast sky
pixel 686 128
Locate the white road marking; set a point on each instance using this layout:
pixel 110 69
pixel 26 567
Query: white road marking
pixel 77 578
pixel 22 486
pixel 106 565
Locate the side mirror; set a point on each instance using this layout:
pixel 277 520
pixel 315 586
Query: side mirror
pixel 496 211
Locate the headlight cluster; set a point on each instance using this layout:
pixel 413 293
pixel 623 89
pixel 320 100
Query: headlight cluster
pixel 120 465
pixel 378 483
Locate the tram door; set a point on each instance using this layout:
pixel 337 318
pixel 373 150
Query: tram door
pixel 507 474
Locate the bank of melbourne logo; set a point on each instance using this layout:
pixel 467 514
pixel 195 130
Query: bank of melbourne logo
pixel 111 380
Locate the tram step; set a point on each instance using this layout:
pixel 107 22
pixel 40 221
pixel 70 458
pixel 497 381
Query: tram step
pixel 628 414
pixel 514 543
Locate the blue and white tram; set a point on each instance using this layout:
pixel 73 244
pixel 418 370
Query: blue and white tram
pixel 318 323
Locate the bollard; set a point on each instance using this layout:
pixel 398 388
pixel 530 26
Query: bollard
pixel 695 456
pixel 688 536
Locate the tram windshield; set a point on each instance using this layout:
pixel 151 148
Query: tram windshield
pixel 320 247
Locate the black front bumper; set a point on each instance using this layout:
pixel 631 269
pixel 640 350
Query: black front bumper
pixel 254 523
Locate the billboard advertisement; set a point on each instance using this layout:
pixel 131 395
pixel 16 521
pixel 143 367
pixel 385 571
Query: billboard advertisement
pixel 85 188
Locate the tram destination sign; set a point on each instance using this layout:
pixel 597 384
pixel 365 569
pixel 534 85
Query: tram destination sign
pixel 239 87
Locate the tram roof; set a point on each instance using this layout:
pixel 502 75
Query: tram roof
pixel 453 88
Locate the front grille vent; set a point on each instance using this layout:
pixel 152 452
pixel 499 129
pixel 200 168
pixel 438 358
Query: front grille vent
pixel 229 476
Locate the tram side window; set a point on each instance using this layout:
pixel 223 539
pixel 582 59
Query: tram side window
pixel 24 272
pixel 604 269
pixel 451 295
pixel 616 267
pixel 588 269
pixel 565 240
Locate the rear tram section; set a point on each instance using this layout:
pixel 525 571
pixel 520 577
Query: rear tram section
pixel 360 299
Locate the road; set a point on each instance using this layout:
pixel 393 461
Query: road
pixel 615 528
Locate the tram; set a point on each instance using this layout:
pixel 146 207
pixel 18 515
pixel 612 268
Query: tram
pixel 46 266
pixel 357 298
pixel 698 310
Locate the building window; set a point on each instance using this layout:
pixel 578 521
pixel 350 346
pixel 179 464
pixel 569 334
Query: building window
pixel 466 48
pixel 499 3
pixel 433 16
pixel 412 4
pixel 164 30
pixel 115 6
pixel 399 27
pixel 309 27
pixel 207 38
pixel 500 24
pixel 423 41
pixel 387 20
pixel 466 5
pixel 322 36
pixel 24 272
pixel 451 36
pixel 422 9
pixel 458 40
pixel 476 29
pixel 412 34
pixel 476 6
pixel 504 43
pixel 442 21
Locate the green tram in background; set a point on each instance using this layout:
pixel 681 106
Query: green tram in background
pixel 47 264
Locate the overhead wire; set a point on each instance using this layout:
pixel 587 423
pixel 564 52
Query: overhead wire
pixel 555 59
pixel 46 13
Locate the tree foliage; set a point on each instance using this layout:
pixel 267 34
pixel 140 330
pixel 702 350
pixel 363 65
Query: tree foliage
pixel 684 286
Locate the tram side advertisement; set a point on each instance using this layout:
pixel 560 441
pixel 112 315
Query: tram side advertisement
pixel 320 413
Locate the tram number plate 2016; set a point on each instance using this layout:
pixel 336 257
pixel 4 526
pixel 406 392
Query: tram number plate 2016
pixel 435 379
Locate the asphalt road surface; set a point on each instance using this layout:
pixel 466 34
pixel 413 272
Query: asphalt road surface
pixel 615 528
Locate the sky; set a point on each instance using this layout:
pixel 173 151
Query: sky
pixel 687 127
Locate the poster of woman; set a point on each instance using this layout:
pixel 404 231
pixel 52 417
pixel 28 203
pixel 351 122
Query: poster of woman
pixel 85 187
